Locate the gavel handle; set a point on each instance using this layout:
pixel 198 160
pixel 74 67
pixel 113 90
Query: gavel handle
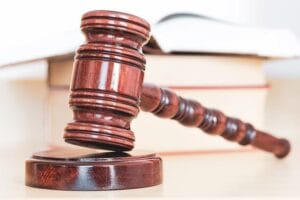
pixel 165 103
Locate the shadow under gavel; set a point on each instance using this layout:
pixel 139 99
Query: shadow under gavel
pixel 107 91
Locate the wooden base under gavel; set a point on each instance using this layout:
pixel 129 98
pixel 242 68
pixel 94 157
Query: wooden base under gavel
pixel 87 170
pixel 106 93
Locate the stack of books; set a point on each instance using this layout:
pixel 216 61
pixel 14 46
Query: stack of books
pixel 233 84
pixel 214 62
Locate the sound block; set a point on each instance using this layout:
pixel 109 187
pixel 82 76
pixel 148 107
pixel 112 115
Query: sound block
pixel 85 169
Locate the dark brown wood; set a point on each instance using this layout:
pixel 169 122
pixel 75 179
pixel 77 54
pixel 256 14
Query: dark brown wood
pixel 165 103
pixel 107 85
pixel 80 169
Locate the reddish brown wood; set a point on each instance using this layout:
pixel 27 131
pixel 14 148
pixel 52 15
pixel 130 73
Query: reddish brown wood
pixel 107 85
pixel 79 169
pixel 107 80
pixel 165 103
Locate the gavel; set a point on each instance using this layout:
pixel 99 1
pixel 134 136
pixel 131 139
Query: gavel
pixel 107 92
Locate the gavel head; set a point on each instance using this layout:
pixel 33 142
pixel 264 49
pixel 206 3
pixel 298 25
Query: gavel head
pixel 107 80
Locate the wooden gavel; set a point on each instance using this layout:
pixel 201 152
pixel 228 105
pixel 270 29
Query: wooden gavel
pixel 107 91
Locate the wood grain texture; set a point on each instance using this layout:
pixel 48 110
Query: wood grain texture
pixel 165 103
pixel 107 80
pixel 71 169
pixel 107 90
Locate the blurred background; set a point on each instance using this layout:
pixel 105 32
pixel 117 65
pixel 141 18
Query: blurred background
pixel 26 21
pixel 37 44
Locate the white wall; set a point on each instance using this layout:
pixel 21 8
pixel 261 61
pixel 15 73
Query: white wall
pixel 277 14
pixel 274 14
pixel 25 21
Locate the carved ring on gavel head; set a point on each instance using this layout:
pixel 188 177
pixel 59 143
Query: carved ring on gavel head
pixel 107 90
pixel 107 80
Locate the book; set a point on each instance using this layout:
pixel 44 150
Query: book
pixel 245 104
pixel 191 32
pixel 183 70
pixel 233 84
pixel 218 63
pixel 175 32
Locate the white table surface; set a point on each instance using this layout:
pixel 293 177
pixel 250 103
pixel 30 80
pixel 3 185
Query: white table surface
pixel 247 174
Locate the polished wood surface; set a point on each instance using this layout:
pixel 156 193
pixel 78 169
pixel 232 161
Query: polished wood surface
pixel 107 85
pixel 81 169
pixel 107 80
pixel 105 92
pixel 166 104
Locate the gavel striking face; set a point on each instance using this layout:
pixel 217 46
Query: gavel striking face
pixel 107 91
